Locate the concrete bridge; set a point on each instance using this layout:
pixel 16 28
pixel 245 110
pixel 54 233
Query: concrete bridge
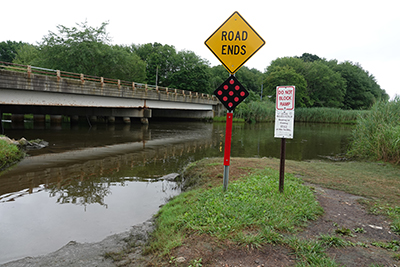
pixel 39 91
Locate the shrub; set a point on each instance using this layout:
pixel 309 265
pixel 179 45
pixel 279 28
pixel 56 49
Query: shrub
pixel 9 153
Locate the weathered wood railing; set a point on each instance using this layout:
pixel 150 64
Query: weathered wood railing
pixel 102 80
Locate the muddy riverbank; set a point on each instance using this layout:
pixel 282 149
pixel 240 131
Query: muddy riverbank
pixel 94 254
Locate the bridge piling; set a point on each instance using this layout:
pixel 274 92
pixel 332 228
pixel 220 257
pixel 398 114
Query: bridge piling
pixel 111 119
pixel 56 121
pixel 17 121
pixel 39 121
pixel 127 120
pixel 74 119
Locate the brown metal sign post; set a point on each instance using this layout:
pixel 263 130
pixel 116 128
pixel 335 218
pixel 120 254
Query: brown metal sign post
pixel 284 123
pixel 282 165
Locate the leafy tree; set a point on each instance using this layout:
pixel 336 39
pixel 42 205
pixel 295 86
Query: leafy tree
pixel 168 68
pixel 296 64
pixel 362 90
pixel 191 73
pixel 330 84
pixel 160 62
pixel 288 71
pixel 326 87
pixel 85 49
pixel 27 55
pixel 251 79
pixel 306 57
pixel 218 74
pixel 380 93
pixel 8 50
pixel 253 96
pixel 126 65
pixel 287 76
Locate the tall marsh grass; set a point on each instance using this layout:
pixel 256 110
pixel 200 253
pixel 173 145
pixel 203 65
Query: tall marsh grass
pixel 264 111
pixel 377 134
pixel 327 115
pixel 256 111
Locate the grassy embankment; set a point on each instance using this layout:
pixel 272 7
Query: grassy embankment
pixel 9 154
pixel 265 112
pixel 253 213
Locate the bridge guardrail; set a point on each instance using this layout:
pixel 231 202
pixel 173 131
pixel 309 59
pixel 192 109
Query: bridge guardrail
pixel 79 76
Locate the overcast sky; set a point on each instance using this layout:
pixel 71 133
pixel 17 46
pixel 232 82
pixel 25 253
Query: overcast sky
pixel 363 31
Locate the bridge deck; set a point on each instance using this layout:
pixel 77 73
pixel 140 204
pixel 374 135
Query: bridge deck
pixel 31 92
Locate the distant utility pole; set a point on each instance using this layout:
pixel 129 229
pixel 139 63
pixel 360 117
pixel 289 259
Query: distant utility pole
pixel 157 76
pixel 261 92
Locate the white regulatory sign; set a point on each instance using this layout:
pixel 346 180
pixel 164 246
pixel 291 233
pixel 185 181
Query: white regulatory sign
pixel 284 112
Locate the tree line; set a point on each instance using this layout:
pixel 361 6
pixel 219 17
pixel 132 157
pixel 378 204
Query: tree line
pixel 86 49
pixel 323 83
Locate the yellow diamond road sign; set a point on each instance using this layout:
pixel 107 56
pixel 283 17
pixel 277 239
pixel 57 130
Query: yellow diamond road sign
pixel 234 42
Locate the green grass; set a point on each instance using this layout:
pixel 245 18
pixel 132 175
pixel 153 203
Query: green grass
pixel 264 111
pixel 309 252
pixel 333 241
pixel 377 134
pixel 251 213
pixel 256 111
pixel 391 211
pixel 392 245
pixel 251 203
pixel 328 115
pixel 223 119
pixel 9 154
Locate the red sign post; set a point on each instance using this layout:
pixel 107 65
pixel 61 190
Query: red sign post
pixel 227 152
pixel 231 93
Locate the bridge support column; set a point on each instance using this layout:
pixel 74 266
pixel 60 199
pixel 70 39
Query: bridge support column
pixel 17 118
pixel 39 118
pixel 55 121
pixel 111 119
pixel 93 119
pixel 39 121
pixel 144 121
pixel 127 120
pixel 17 121
pixel 74 119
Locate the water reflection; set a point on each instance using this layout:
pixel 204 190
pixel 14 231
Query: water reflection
pixel 81 192
pixel 311 141
pixel 83 175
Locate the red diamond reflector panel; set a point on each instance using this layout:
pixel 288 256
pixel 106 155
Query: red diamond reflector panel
pixel 231 93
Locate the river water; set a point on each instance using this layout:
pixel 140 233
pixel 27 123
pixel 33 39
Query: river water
pixel 91 182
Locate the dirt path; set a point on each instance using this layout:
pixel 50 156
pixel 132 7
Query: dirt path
pixel 342 211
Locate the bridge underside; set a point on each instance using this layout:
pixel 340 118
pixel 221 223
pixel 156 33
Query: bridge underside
pixel 107 112
pixel 50 103
pixel 77 111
